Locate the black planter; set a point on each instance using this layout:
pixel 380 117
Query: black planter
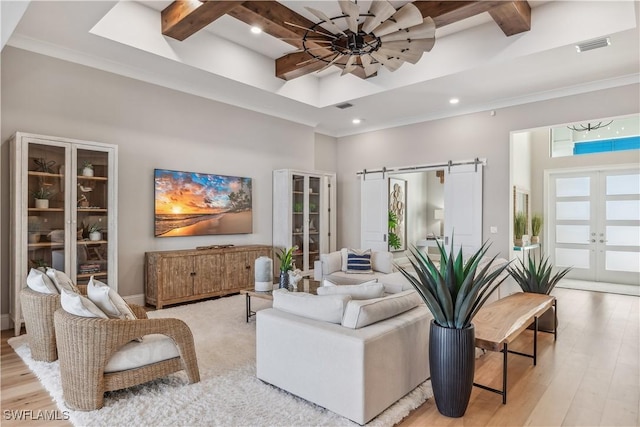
pixel 284 280
pixel 452 364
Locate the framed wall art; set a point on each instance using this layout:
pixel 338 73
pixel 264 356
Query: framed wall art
pixel 196 204
pixel 397 214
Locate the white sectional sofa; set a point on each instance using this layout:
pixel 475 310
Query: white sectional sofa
pixel 333 266
pixel 353 357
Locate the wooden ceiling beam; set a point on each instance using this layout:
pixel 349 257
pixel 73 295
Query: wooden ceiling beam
pixel 513 17
pixel 184 18
pixel 272 18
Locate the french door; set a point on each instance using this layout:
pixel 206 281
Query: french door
pixel 594 224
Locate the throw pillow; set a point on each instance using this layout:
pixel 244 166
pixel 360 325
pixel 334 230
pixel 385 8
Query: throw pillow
pixel 108 300
pixel 61 280
pixel 328 308
pixel 79 305
pixel 331 262
pixel 359 261
pixel 382 262
pixel 357 292
pixel 38 281
pixel 365 312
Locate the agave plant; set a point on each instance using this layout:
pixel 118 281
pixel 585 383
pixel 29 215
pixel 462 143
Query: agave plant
pixel 455 291
pixel 536 277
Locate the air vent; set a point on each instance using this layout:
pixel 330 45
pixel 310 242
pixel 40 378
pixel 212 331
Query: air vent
pixel 344 106
pixel 593 44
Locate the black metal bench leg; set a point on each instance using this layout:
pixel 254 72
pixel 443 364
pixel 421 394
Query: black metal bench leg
pixel 505 352
pixel 535 340
pixel 248 306
pixel 555 325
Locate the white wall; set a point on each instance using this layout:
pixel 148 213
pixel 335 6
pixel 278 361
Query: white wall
pixel 154 127
pixel 325 153
pixel 460 138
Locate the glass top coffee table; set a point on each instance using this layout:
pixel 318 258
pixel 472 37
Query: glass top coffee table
pixel 305 285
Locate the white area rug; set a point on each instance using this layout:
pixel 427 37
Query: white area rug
pixel 229 394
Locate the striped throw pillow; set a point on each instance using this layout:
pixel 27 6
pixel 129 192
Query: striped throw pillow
pixel 359 261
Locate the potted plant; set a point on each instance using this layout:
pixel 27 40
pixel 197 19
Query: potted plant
pixel 42 196
pixel 453 292
pixel 87 169
pixel 537 277
pixel 519 227
pixel 94 231
pixel 536 226
pixel 285 256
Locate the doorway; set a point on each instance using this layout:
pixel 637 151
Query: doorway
pixel 594 223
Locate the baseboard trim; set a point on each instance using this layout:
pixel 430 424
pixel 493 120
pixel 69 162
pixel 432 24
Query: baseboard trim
pixel 137 299
pixel 5 322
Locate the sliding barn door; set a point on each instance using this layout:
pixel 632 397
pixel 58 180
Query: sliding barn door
pixel 374 213
pixel 463 207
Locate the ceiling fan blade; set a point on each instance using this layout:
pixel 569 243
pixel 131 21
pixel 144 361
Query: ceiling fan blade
pixel 426 30
pixel 407 55
pixel 381 11
pixel 390 64
pixel 369 67
pixel 307 50
pixel 349 67
pixel 422 45
pixel 408 16
pixel 353 13
pixel 333 61
pixel 323 17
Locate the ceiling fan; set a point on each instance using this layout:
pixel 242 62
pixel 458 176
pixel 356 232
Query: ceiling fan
pixel 381 37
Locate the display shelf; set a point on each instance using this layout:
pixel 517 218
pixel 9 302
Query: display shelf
pixel 75 200
pixel 302 214
pixel 45 210
pixel 88 275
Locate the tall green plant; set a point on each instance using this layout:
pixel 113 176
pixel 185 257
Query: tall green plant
pixel 536 224
pixel 519 225
pixel 535 276
pixel 456 290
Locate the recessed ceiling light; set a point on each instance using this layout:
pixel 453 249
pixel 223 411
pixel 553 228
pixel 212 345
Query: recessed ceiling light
pixel 256 30
pixel 454 101
pixel 356 121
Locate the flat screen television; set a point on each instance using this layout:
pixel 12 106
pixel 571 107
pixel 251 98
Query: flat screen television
pixel 196 204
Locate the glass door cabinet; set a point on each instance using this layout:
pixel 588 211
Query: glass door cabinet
pixel 63 211
pixel 304 215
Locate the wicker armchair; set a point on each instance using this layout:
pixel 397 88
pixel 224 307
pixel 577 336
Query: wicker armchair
pixel 37 311
pixel 85 345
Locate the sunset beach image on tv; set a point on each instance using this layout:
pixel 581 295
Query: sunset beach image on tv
pixel 196 204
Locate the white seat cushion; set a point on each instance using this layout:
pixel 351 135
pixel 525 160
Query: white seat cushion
pixel 153 348
pixel 331 262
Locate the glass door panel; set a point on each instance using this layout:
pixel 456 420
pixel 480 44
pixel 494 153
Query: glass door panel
pixel 596 225
pixel 46 206
pixel 314 220
pixel 298 214
pixel 92 205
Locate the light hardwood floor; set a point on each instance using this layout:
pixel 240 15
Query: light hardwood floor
pixel 589 377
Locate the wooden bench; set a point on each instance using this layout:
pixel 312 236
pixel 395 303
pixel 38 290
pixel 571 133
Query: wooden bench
pixel 499 323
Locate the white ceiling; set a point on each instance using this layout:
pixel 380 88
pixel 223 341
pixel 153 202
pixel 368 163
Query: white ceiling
pixel 472 60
